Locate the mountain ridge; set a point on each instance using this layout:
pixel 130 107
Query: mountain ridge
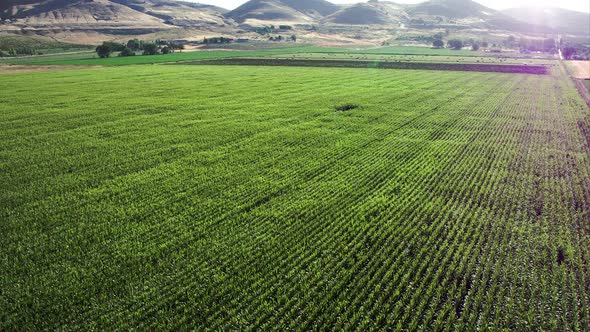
pixel 130 17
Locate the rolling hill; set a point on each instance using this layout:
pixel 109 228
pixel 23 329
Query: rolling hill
pixel 268 10
pixel 313 7
pixel 179 13
pixel 80 14
pixel 111 15
pixel 452 9
pixel 472 14
pixel 135 17
pixel 372 12
pixel 561 20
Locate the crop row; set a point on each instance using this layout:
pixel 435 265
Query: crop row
pixel 445 201
pixel 449 66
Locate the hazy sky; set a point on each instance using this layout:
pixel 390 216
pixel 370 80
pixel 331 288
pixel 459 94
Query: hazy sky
pixel 579 5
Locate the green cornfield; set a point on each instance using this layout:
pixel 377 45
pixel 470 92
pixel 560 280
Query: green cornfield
pixel 157 197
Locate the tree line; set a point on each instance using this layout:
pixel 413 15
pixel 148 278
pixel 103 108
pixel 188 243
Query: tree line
pixel 456 44
pixel 135 46
pixel 525 45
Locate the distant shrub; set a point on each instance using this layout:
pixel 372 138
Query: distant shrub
pixel 475 47
pixel 265 30
pixel 455 44
pixel 135 44
pixel 166 50
pixel 150 49
pixel 217 40
pixel 25 50
pixel 438 43
pixel 127 52
pixel 347 107
pixel 176 46
pixel 105 50
pixel 115 47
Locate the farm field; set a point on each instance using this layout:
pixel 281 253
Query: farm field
pixel 91 59
pixel 415 50
pixel 241 198
pixel 428 51
pixel 418 54
pixel 412 58
pixel 378 64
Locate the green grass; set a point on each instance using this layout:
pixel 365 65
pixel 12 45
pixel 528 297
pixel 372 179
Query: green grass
pixel 587 84
pixel 91 59
pixel 239 198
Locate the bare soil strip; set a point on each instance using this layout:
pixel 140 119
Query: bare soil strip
pixel 19 69
pixel 496 68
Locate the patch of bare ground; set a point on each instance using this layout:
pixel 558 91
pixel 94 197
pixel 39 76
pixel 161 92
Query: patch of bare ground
pixel 579 69
pixel 334 40
pixel 20 69
pixel 204 48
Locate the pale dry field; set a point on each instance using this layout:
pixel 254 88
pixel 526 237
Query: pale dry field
pixel 580 69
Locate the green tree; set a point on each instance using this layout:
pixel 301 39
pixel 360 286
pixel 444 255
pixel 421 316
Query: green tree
pixel 135 44
pixel 175 46
pixel 294 38
pixel 166 50
pixel 127 52
pixel 475 47
pixel 510 42
pixel 115 47
pixel 150 49
pixel 455 44
pixel 438 43
pixel 103 51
